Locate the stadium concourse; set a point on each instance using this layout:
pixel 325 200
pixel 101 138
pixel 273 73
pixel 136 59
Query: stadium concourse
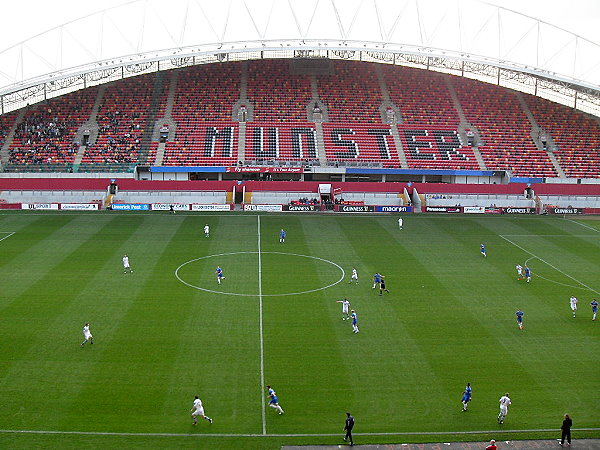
pixel 583 444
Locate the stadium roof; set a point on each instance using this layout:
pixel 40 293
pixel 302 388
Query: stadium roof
pixel 463 37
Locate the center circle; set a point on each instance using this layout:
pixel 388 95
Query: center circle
pixel 182 267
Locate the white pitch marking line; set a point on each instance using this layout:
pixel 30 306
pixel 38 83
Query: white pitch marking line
pixel 264 295
pixel 550 235
pixel 262 350
pixel 559 283
pixel 546 262
pixel 9 234
pixel 584 225
pixel 199 435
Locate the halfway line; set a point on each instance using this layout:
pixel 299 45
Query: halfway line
pixel 260 327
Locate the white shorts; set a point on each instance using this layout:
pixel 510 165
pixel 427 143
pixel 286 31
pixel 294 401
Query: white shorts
pixel 344 310
pixel 198 412
pixel 87 335
pixel 504 410
pixel 574 307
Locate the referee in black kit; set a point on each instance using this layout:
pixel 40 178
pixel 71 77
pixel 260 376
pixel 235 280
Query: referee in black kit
pixel 348 428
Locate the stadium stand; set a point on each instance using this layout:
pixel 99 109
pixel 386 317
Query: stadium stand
pixel 280 134
pixel 44 139
pixel 436 147
pixel 429 120
pixel 352 144
pixel 575 134
pixel 206 134
pixel 277 143
pixel 121 119
pixel 352 94
pixel 277 95
pixel 504 129
pixel 6 123
pixel 162 100
pixel 422 97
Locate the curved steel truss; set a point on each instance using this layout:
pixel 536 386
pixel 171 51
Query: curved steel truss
pixel 472 39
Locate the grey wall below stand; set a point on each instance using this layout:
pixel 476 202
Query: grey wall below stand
pixel 93 128
pixel 536 136
pixel 310 111
pixel 169 122
pixel 383 109
pixel 236 108
pixel 462 131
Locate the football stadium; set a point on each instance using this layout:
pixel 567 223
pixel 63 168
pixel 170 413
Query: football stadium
pixel 303 224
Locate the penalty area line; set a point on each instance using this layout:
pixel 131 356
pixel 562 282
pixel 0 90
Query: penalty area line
pixel 552 235
pixel 584 225
pixel 547 263
pixel 275 435
pixel 8 234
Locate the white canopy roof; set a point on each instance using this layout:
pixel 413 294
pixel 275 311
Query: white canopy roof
pixel 141 33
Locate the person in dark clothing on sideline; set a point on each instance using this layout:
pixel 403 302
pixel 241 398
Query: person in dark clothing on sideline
pixel 566 430
pixel 348 428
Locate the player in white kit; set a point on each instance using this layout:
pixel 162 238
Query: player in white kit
pixel 573 301
pixel 87 334
pixel 519 268
pixel 504 402
pixel 345 306
pixel 198 410
pixel 354 276
pixel 126 267
pixel 206 231
pixel 400 222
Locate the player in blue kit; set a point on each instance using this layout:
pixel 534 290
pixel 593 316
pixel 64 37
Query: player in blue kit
pixel 354 322
pixel 483 250
pixel 273 400
pixel 594 308
pixel 527 274
pixel 219 273
pixel 466 398
pixel 519 315
pixel 282 236
pixel 376 279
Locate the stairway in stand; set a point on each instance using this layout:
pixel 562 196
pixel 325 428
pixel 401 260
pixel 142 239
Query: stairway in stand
pixel 4 152
pixel 155 102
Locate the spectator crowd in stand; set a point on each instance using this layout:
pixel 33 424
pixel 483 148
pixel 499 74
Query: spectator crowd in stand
pixel 305 201
pixel 40 139
pixel 121 142
pixel 3 133
pixel 316 201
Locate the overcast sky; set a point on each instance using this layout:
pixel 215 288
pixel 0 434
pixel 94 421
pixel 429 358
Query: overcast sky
pixel 579 16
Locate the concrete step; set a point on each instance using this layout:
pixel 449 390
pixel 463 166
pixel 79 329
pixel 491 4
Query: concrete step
pixel 4 152
pixel 160 154
pixel 242 142
pixel 399 147
pixel 320 145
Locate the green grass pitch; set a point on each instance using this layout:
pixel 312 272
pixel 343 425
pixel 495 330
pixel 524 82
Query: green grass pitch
pixel 168 331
